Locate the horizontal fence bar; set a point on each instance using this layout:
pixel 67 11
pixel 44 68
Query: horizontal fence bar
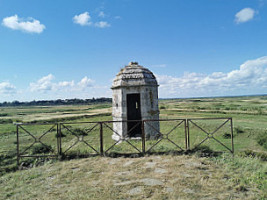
pixel 209 118
pixel 162 120
pixel 123 121
pixel 25 123
pixel 80 122
pixel 33 124
pixel 100 122
pixel 37 156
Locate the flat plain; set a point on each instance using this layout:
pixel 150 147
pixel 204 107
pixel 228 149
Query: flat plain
pixel 194 175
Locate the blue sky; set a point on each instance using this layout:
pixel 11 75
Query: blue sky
pixel 73 49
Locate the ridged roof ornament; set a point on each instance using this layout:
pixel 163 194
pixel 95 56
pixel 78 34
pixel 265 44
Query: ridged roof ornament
pixel 134 74
pixel 133 63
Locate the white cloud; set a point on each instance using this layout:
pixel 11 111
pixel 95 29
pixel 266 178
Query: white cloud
pixel 46 84
pixel 43 84
pixel 83 19
pixel 244 15
pixel 30 26
pixel 66 84
pixel 7 88
pixel 86 82
pixel 101 14
pixel 102 24
pixel 250 77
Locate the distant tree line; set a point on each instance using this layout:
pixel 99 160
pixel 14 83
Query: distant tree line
pixel 58 102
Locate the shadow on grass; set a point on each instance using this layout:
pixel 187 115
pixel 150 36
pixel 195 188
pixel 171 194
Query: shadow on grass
pixel 254 154
pixel 201 151
pixel 8 162
pixel 204 151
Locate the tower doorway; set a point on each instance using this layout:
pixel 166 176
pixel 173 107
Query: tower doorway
pixel 134 113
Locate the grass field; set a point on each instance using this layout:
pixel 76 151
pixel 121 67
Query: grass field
pixel 245 174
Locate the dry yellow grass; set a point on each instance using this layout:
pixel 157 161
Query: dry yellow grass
pixel 42 113
pixel 57 115
pixel 151 177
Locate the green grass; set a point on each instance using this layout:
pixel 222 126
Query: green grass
pixel 262 139
pixel 8 138
pixel 251 123
pixel 245 172
pixel 249 119
pixel 176 176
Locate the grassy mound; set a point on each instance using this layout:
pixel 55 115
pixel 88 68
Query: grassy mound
pixel 153 177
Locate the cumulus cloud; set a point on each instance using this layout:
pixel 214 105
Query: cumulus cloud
pixel 244 15
pixel 250 77
pixel 84 19
pixel 66 84
pixel 43 84
pixel 30 25
pixel 47 83
pixel 102 24
pixel 85 82
pixel 7 88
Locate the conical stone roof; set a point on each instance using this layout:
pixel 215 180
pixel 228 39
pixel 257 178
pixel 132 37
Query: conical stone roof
pixel 134 75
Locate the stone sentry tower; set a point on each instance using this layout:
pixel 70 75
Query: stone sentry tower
pixel 135 97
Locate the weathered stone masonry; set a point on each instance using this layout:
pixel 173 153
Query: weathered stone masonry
pixel 135 97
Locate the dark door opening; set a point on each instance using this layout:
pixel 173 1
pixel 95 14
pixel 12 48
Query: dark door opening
pixel 134 113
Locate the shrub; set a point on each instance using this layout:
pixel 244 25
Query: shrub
pixel 254 154
pixel 162 107
pixel 5 121
pixel 40 148
pixel 80 132
pixel 227 135
pixel 238 130
pixel 262 139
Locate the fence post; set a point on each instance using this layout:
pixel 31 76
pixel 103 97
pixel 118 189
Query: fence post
pixel 57 136
pixel 18 156
pixel 101 139
pixel 143 138
pixel 188 134
pixel 232 135
pixel 185 132
pixel 60 142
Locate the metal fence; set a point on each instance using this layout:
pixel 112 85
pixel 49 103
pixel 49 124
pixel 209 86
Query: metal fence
pixel 210 131
pixel 95 138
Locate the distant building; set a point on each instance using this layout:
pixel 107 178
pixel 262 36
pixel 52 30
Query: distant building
pixel 135 97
